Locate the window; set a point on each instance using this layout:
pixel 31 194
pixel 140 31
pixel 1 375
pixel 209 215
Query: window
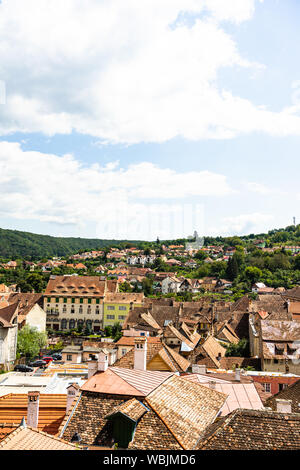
pixel 80 309
pixel 110 317
pixel 81 301
pixel 282 386
pixel 122 308
pixel 97 311
pixel 89 309
pixel 72 324
pixel 65 300
pixel 73 301
pixel 69 357
pixel 64 324
pixel 89 301
pixel 267 387
pixel 97 301
pixel 48 299
pixel 72 309
pixel 124 351
pixel 57 300
pixel 121 317
pixel 110 307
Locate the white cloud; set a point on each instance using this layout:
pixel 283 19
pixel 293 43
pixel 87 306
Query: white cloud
pixel 118 71
pixel 243 224
pixel 137 202
pixel 258 188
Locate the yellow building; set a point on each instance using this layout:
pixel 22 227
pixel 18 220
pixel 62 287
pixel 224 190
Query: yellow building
pixel 116 306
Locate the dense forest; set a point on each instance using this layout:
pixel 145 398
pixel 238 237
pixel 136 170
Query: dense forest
pixel 15 244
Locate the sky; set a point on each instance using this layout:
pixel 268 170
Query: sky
pixel 146 118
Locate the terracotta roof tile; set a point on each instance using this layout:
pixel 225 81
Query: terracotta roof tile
pixel 185 408
pixel 129 340
pixel 26 438
pixel 290 393
pixel 82 286
pixel 253 430
pixel 133 409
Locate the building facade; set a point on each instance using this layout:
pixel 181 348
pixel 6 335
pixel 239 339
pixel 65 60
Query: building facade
pixel 116 306
pixel 73 301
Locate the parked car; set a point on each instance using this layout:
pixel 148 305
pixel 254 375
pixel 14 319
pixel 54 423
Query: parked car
pixel 39 363
pixel 47 359
pixel 57 357
pixel 22 368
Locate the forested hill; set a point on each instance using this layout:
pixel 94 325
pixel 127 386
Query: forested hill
pixel 16 244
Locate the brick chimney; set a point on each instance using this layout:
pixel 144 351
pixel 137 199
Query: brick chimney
pixel 33 409
pixel 140 353
pixel 283 406
pixel 72 392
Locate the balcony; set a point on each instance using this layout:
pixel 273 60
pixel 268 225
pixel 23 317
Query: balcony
pixel 52 312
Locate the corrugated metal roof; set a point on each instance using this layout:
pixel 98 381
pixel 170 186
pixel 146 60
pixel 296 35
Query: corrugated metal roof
pixel 239 396
pixel 144 381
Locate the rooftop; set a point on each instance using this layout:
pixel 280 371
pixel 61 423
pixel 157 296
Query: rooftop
pixel 119 381
pixel 253 430
pixel 27 438
pixel 52 409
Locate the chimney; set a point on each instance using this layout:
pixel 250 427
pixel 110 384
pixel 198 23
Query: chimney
pixel 33 409
pixel 201 369
pixel 283 406
pixel 212 385
pixel 140 353
pixel 238 375
pixel 102 364
pixel 92 368
pixel 72 392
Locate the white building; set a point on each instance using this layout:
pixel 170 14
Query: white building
pixel 8 336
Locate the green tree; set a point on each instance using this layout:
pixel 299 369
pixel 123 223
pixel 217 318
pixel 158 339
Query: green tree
pixel 87 329
pixel 147 286
pixel 241 349
pixel 108 331
pixel 297 262
pixel 116 329
pixel 125 287
pixel 30 342
pixel 201 255
pixel 253 274
pixel 232 269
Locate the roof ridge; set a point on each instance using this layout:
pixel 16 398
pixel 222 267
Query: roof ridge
pixel 223 422
pixel 20 428
pixel 133 386
pixel 174 353
pixel 162 419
